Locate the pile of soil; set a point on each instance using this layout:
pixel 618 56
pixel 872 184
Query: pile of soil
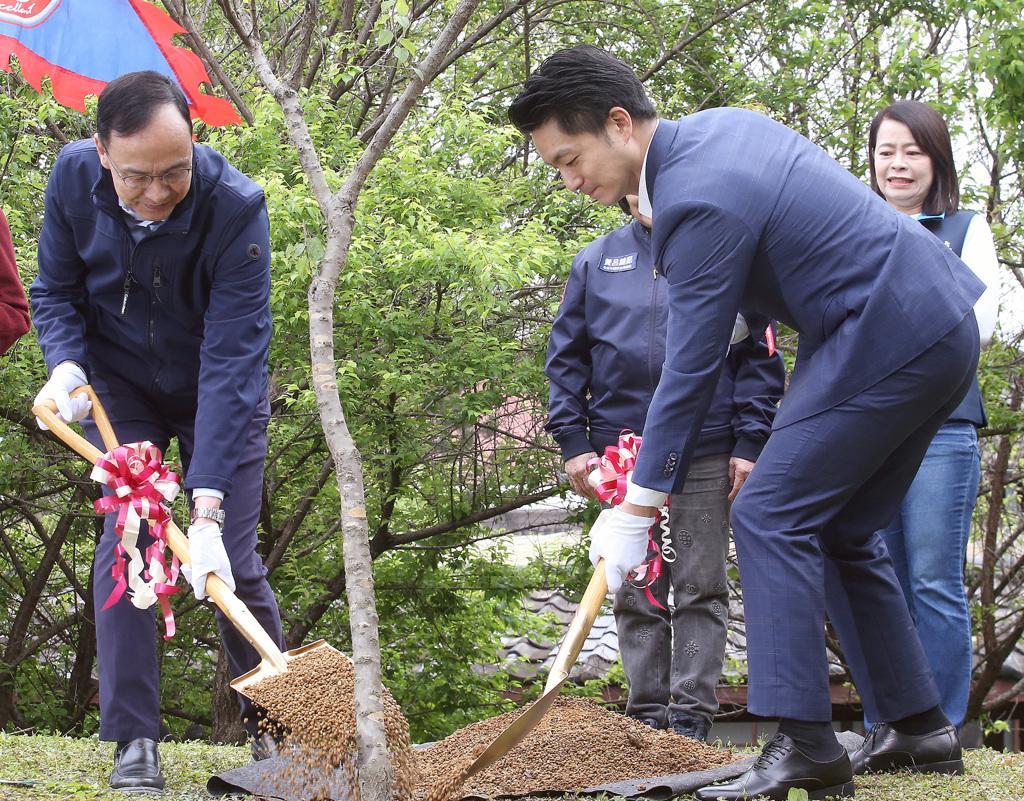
pixel 578 744
pixel 312 705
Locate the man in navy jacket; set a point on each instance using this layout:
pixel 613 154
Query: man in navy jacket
pixel 748 213
pixel 605 354
pixel 154 283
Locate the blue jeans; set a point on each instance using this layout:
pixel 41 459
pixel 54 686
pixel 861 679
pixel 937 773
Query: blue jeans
pixel 928 542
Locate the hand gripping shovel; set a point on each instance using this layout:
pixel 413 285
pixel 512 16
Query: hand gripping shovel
pixel 568 651
pixel 272 661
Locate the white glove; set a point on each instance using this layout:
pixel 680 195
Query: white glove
pixel 206 548
pixel 621 540
pixel 65 377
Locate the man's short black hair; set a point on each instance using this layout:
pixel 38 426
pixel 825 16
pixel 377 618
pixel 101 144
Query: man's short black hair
pixel 128 103
pixel 577 87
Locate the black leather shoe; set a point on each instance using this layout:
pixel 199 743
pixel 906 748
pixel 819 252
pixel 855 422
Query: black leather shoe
pixel 885 750
pixel 780 768
pixel 137 768
pixel 691 726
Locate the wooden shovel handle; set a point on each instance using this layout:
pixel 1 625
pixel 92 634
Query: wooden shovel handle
pixel 582 623
pixel 219 592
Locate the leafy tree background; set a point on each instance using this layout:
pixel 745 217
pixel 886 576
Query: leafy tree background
pixel 461 247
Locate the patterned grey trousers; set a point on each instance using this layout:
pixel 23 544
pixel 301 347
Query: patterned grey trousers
pixel 673 659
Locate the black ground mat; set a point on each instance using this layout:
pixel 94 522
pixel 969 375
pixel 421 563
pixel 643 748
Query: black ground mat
pixel 269 779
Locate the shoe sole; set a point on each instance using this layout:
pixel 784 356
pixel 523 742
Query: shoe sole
pixel 954 767
pixel 138 790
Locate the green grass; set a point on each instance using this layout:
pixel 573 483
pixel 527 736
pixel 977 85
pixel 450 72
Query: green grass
pixel 76 769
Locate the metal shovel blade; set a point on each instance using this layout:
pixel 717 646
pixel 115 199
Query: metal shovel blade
pixel 568 651
pixel 515 731
pixel 266 669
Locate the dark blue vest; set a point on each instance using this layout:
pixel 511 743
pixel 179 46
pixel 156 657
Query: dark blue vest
pixel 952 229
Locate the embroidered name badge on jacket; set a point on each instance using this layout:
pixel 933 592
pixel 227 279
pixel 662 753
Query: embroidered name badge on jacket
pixel 619 264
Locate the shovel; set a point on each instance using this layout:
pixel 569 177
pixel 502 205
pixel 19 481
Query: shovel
pixel 570 648
pixel 273 661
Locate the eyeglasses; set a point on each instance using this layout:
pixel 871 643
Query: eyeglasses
pixel 174 178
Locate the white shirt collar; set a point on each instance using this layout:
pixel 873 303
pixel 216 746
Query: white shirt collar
pixel 152 225
pixel 643 199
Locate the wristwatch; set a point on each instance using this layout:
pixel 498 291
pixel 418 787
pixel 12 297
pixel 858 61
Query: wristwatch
pixel 210 513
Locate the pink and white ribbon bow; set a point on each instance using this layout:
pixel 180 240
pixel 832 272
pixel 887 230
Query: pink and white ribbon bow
pixel 141 484
pixel 608 475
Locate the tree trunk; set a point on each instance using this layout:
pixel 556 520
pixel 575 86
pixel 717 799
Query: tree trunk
pixel 81 686
pixel 991 649
pixel 227 723
pixel 375 774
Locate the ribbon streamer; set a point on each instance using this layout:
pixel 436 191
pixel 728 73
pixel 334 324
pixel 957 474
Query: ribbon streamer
pixel 609 475
pixel 141 483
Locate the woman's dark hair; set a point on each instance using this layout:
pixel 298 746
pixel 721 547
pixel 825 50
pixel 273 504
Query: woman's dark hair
pixel 128 103
pixel 578 86
pixel 932 135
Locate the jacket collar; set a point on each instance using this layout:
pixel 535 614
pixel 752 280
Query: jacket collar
pixel 640 231
pixel 661 143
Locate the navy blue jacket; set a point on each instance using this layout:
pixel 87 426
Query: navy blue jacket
pixel 195 329
pixel 607 347
pixel 749 213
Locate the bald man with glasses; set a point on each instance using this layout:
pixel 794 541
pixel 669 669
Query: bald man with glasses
pixel 154 286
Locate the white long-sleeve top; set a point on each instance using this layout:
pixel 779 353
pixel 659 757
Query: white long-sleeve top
pixel 979 253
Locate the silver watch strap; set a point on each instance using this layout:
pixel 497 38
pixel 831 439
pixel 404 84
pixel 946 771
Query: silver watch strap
pixel 209 512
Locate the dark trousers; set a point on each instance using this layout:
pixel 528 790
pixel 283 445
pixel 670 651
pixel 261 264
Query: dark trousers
pixel 821 489
pixel 126 637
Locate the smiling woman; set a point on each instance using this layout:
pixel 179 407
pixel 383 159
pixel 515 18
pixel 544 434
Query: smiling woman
pixel 911 159
pixel 902 168
pixel 912 167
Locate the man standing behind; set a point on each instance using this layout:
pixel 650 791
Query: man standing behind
pixel 605 354
pixel 154 282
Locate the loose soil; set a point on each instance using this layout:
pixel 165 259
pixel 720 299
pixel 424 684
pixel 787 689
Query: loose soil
pixel 577 745
pixel 312 706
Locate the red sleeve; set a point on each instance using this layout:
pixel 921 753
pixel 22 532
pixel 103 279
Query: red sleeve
pixel 13 307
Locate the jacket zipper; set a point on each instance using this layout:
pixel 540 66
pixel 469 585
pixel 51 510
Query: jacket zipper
pixel 157 283
pixel 129 279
